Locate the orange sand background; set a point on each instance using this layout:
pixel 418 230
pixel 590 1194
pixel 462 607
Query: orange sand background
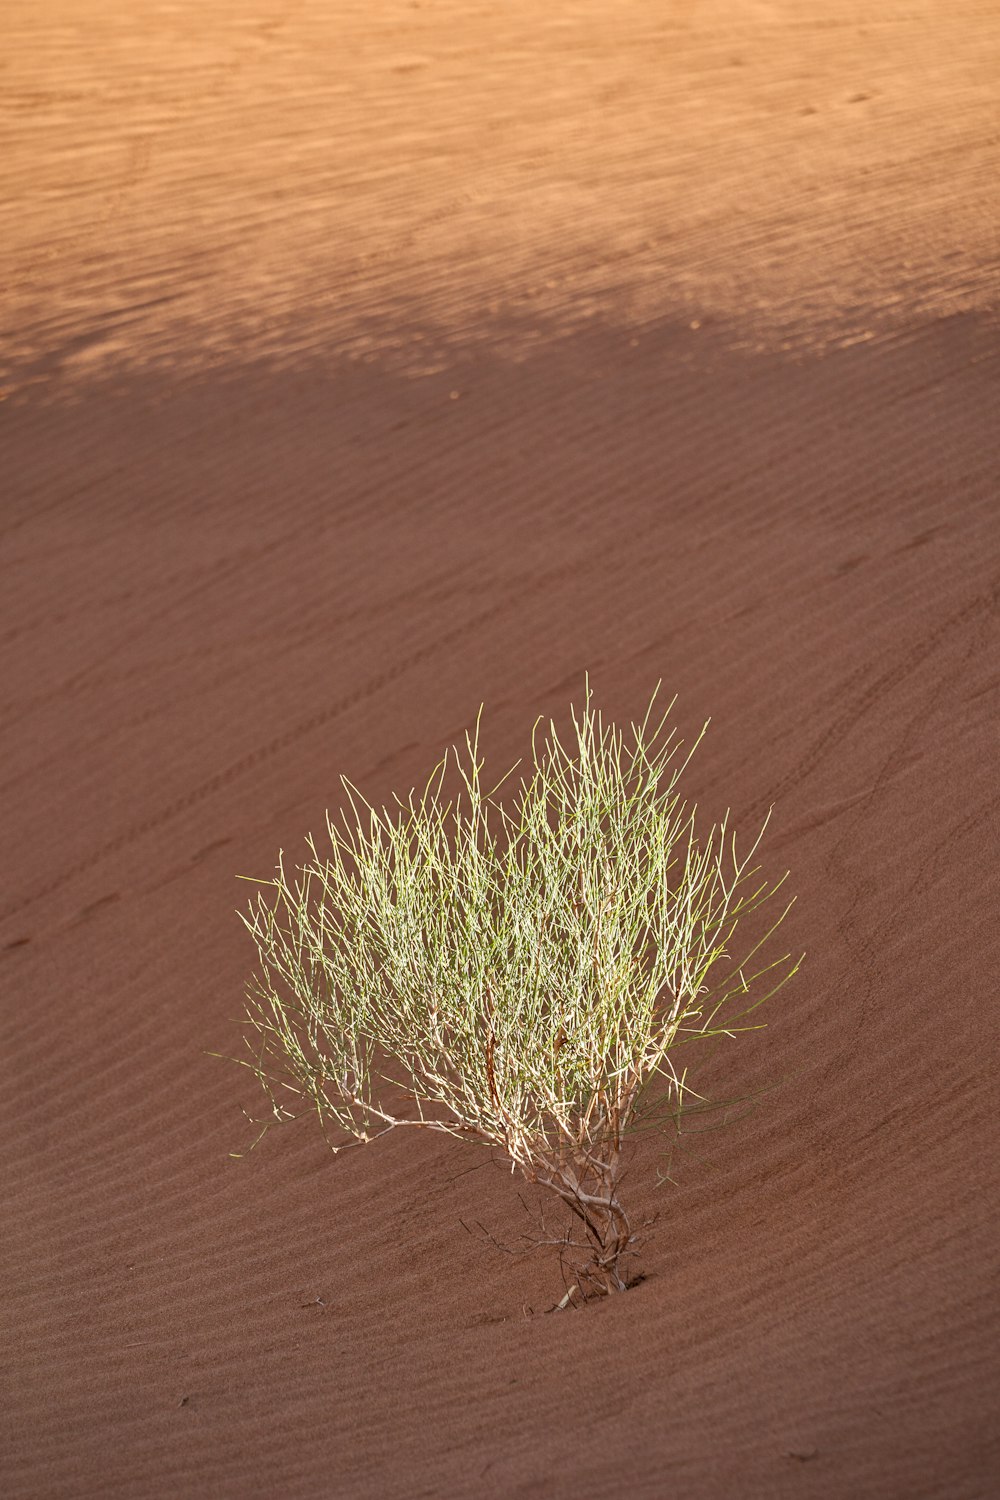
pixel 365 361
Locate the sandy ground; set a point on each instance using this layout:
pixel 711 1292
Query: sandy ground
pixel 361 362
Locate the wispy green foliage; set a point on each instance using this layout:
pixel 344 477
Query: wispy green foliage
pixel 521 967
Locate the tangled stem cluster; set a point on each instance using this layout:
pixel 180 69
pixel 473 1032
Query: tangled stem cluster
pixel 520 971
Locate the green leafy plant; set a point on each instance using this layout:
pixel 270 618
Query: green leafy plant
pixel 521 970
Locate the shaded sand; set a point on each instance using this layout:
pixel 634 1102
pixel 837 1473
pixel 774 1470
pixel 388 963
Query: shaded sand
pixel 359 367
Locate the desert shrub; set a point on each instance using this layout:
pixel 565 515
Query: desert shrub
pixel 521 969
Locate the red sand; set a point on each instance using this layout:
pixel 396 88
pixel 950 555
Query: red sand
pixel 364 361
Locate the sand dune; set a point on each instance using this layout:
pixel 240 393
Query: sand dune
pixel 361 363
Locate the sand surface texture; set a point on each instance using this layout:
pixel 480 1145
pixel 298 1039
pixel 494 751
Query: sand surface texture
pixel 365 361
